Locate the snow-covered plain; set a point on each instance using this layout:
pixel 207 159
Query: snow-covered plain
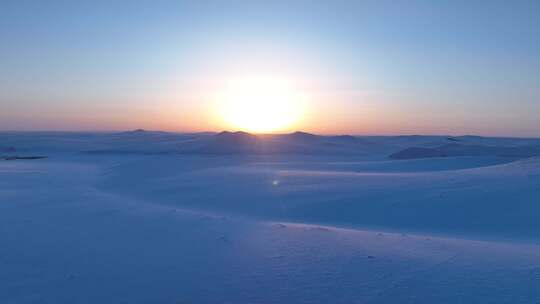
pixel 154 217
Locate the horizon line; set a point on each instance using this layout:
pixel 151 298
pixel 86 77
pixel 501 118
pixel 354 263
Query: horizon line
pixel 271 133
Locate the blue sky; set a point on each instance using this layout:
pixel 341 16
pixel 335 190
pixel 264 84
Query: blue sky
pixel 370 67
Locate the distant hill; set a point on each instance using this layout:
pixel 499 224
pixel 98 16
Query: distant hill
pixel 467 150
pixel 140 141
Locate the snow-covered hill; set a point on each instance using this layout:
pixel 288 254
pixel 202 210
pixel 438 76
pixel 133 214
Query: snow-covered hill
pixel 242 143
pixel 157 217
pixel 449 150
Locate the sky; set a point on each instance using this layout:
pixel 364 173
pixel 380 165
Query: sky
pixel 362 67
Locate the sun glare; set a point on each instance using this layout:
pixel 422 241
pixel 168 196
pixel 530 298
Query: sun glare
pixel 260 104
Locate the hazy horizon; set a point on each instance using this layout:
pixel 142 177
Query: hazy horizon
pixel 269 133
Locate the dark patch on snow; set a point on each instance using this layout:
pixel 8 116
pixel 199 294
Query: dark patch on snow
pixel 224 239
pixel 323 229
pixel 22 157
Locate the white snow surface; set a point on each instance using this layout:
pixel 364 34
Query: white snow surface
pixel 156 217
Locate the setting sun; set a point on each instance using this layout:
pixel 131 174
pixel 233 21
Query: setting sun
pixel 260 104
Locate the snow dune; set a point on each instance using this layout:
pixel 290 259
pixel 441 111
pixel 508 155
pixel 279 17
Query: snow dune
pixel 450 201
pixel 155 217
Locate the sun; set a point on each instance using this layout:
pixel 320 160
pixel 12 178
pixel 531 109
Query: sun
pixel 260 104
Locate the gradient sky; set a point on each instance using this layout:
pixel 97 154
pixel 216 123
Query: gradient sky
pixel 369 67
